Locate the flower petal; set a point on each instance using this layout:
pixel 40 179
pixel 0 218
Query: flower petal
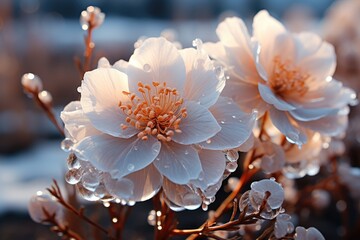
pixel 331 125
pixel 271 98
pixel 282 122
pixel 77 125
pixel 198 126
pixel 156 60
pixel 101 92
pixel 202 85
pixel 179 163
pixel 306 115
pixel 213 165
pixel 245 95
pixel 181 195
pixel 116 155
pixel 147 182
pixel 236 126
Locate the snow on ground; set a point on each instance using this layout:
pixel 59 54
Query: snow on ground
pixel 23 174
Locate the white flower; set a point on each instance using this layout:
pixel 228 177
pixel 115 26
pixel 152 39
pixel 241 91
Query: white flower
pixel 286 74
pixel 92 16
pixel 283 225
pixel 157 122
pixel 31 83
pixel 40 203
pixel 308 234
pixel 261 188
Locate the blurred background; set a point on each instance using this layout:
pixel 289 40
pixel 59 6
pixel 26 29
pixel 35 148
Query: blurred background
pixel 43 37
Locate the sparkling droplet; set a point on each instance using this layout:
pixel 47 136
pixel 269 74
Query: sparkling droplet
pixel 122 188
pixel 231 166
pixel 192 201
pixel 208 141
pixel 131 203
pixel 197 43
pixel 233 116
pixel 86 194
pixel 73 162
pixel 151 218
pixel 147 67
pixel 222 122
pixel 45 97
pixel 204 207
pixel 130 167
pixel 186 152
pixel 73 176
pixel 79 89
pixel 90 180
pixel 66 144
pixel 232 155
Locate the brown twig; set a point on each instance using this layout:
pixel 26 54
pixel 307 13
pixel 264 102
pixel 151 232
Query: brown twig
pixel 55 191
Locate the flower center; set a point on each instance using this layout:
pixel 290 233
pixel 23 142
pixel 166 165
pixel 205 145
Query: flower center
pixel 287 78
pixel 157 112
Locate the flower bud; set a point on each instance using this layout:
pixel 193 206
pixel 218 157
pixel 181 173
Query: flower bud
pixel 45 97
pixel 31 82
pixel 308 234
pixel 92 16
pixel 39 204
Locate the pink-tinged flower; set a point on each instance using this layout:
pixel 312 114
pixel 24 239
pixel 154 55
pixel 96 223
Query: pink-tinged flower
pixel 286 74
pixel 308 234
pixel 42 206
pixel 158 122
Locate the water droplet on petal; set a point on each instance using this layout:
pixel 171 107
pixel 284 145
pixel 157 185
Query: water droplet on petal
pixel 231 166
pixel 66 144
pixel 208 141
pixel 73 162
pixel 233 116
pixel 87 194
pixel 222 122
pixel 130 167
pixel 232 155
pixel 79 89
pixel 147 67
pixel 90 180
pixel 191 201
pixel 186 152
pixel 73 176
pixel 197 43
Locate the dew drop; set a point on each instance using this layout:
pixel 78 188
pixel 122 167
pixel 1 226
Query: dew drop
pixel 130 167
pixel 73 162
pixel 87 194
pixel 222 122
pixel 186 152
pixel 79 89
pixel 197 43
pixel 147 67
pixel 231 166
pixel 131 203
pixel 204 207
pixel 233 116
pixel 73 176
pixel 191 201
pixel 90 180
pixel 208 141
pixel 232 155
pixel 66 144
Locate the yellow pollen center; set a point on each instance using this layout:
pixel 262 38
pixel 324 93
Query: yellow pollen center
pixel 287 79
pixel 157 110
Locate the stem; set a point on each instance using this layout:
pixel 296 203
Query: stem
pixel 49 112
pixel 55 191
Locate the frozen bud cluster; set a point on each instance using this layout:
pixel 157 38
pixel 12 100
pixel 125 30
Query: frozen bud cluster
pixel 42 204
pixel 92 16
pixel 31 83
pixel 308 234
pixel 283 225
pixel 265 190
